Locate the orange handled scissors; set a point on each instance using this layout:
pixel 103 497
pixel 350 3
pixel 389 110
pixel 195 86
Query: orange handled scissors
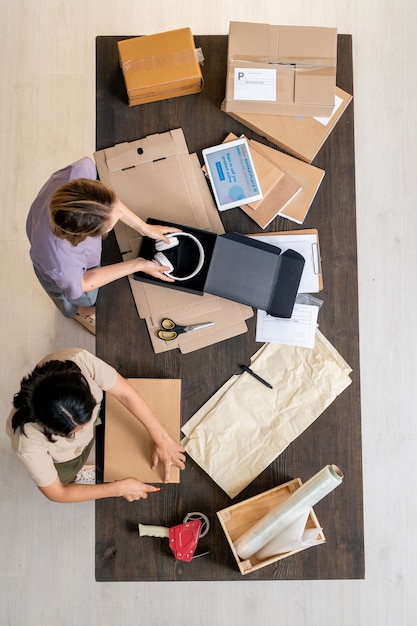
pixel 170 330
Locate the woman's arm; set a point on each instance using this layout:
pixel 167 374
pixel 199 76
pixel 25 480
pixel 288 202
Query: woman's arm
pixel 149 230
pixel 99 276
pixel 166 450
pixel 130 488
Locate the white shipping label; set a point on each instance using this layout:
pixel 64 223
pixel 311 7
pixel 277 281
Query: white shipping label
pixel 255 84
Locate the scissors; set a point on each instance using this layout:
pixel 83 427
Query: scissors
pixel 170 330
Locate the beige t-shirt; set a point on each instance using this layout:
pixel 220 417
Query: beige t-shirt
pixel 34 450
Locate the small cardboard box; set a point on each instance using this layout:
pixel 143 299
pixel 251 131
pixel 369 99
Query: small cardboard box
pixel 238 518
pixel 238 268
pixel 300 136
pixel 160 66
pixel 281 70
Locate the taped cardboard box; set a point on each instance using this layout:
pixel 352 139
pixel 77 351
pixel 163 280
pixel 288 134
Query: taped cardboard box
pixel 281 70
pixel 238 518
pixel 300 136
pixel 161 66
pixel 157 175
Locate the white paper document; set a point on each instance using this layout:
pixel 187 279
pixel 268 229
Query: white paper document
pixel 298 330
pixel 325 120
pixel 254 84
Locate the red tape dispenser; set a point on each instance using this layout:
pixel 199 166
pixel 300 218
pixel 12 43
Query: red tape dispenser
pixel 183 538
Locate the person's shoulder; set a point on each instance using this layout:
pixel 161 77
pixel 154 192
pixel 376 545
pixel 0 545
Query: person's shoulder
pixel 104 374
pixel 69 354
pixel 83 168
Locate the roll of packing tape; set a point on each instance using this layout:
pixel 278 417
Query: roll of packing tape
pixel 203 519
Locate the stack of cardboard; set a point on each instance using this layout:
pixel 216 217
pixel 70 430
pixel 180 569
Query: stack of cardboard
pixel 289 185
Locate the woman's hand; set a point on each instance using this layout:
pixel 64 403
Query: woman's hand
pixel 132 489
pixel 153 269
pixel 168 453
pixel 158 232
pixel 128 488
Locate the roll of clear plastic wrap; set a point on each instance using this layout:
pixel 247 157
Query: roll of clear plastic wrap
pixel 274 522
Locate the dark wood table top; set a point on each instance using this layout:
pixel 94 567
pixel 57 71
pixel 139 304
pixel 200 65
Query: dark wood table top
pixel 122 340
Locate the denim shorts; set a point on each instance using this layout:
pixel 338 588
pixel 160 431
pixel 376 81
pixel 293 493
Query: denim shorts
pixel 67 306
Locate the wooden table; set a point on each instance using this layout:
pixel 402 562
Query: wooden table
pixel 122 340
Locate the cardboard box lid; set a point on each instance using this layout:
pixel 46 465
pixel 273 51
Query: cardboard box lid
pixel 127 444
pixel 303 59
pixel 259 276
pixel 160 62
pixel 300 136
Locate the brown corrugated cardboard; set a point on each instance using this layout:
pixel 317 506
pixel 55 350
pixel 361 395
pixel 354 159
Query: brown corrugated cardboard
pixel 160 66
pixel 156 176
pixel 281 70
pixel 127 444
pixel 300 136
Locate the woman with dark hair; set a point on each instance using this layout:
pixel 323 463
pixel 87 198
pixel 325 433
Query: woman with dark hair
pixel 53 420
pixel 66 224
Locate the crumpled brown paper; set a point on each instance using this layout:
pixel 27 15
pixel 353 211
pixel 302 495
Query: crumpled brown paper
pixel 245 425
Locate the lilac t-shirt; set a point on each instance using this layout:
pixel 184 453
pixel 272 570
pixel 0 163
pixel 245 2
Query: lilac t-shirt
pixel 56 259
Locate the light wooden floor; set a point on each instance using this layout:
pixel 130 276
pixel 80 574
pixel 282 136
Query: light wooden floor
pixel 48 120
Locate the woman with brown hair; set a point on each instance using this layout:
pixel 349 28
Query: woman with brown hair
pixel 65 226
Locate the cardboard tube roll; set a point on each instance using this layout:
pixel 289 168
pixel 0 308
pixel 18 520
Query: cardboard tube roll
pixel 305 497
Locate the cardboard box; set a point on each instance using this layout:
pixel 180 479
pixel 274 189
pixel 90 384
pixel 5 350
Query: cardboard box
pixel 300 136
pixel 128 446
pixel 160 66
pixel 235 267
pixel 156 176
pixel 238 518
pixel 281 70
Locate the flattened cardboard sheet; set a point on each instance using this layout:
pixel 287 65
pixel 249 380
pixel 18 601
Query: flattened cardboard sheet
pixel 156 176
pixel 300 136
pixel 127 444
pixel 160 66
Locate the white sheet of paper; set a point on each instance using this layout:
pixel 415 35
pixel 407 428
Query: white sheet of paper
pixel 325 120
pixel 306 245
pixel 299 330
pixel 252 83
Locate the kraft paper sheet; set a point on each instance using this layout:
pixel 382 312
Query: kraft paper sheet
pixel 245 426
